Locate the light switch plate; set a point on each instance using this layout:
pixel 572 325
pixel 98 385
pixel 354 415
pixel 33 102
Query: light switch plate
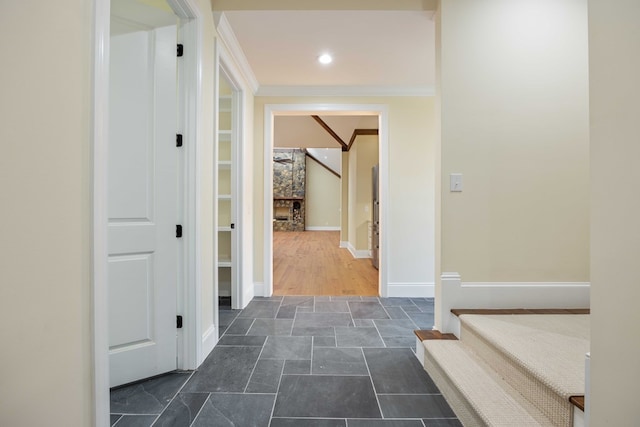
pixel 455 182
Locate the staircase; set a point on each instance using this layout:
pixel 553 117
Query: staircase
pixel 510 369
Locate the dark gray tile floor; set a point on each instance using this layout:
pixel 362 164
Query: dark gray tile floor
pixel 300 362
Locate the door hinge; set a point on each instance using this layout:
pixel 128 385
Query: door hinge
pixel 180 50
pixel 179 322
pixel 233 226
pixel 178 231
pixel 178 140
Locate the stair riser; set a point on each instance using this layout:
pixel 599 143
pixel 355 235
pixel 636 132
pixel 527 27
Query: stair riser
pixel 463 410
pixel 558 409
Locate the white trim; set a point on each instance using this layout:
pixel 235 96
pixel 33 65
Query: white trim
pixel 248 293
pixel 295 91
pixel 190 33
pixel 209 339
pixel 420 351
pixel 100 136
pixel 232 64
pixel 267 245
pixel 412 290
pixel 321 228
pixel 587 389
pixel 358 254
pixel 384 200
pixel 344 245
pixel 258 289
pixel 271 110
pixel 456 294
pixel 578 417
pixel 228 38
pixel 224 66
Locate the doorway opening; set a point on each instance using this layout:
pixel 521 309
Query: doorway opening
pixel 185 16
pixel 345 239
pixel 323 220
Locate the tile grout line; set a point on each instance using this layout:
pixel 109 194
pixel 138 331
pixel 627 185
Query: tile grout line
pixel 255 365
pixel 384 343
pixel 275 398
pixel 372 384
pixel 313 349
pixel 259 358
pixel 201 409
pixel 353 321
pixel 173 398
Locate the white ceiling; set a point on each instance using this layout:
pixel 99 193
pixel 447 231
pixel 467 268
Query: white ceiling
pixel 374 52
pixel 385 50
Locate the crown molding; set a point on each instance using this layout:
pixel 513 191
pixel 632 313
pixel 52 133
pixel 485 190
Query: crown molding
pixel 346 91
pixel 222 5
pixel 230 42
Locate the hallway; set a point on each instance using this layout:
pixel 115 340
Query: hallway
pixel 301 361
pixel 312 263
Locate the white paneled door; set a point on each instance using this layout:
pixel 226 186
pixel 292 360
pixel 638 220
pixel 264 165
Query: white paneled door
pixel 142 204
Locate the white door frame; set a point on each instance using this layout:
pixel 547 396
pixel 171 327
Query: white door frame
pixel 189 110
pixel 272 110
pixel 225 67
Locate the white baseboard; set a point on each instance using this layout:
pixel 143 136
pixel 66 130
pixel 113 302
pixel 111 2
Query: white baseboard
pixel 224 292
pixel 209 340
pixel 321 228
pixel 358 253
pixel 457 294
pixel 258 289
pixel 247 295
pixel 411 290
pixel 344 245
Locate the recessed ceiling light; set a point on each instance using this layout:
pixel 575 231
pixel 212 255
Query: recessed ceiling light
pixel 325 59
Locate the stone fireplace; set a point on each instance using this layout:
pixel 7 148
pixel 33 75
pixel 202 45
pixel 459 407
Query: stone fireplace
pixel 289 173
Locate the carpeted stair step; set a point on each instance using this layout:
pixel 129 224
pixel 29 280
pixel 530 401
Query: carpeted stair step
pixel 476 393
pixel 541 356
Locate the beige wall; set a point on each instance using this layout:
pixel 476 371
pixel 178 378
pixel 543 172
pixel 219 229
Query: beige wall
pixel 45 254
pixel 362 157
pixel 514 106
pixel 322 197
pixel 412 187
pixel 615 209
pixel 411 182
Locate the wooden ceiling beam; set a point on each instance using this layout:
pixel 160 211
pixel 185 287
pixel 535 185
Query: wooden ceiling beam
pixel 335 136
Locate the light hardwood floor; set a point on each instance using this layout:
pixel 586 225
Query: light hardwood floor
pixel 312 263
